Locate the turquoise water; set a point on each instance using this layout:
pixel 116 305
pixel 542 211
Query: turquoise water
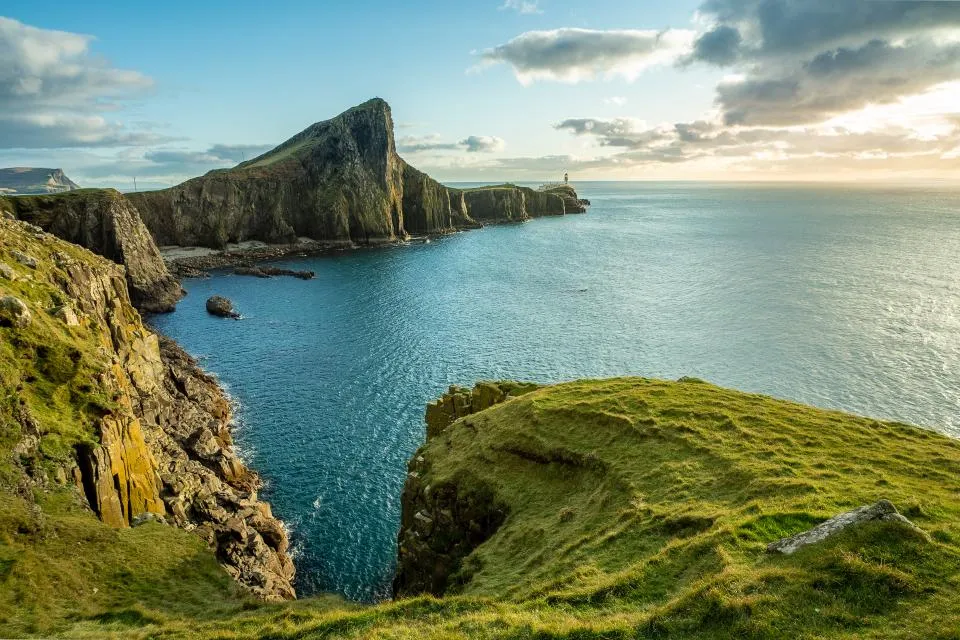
pixel 844 298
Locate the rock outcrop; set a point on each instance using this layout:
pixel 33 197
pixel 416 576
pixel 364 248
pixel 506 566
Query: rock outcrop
pixel 124 416
pixel 338 181
pixel 442 522
pixel 220 306
pixel 882 510
pixel 106 223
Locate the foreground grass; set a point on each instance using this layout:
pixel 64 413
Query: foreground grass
pixel 637 509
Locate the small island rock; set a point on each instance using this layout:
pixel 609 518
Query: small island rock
pixel 220 306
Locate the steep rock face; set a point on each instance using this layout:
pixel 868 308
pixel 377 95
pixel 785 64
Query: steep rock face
pixel 496 204
pixel 572 202
pixel 126 417
pixel 444 519
pixel 31 181
pixel 430 207
pixel 107 224
pixel 542 203
pixel 340 179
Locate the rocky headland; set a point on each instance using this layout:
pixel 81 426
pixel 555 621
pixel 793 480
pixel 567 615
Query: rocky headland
pixel 338 182
pixel 99 408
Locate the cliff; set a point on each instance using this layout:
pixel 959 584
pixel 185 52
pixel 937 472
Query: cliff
pixel 663 505
pixel 98 410
pixel 107 224
pixel 30 181
pixel 339 180
pixel 623 508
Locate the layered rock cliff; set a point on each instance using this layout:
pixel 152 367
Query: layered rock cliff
pixel 106 223
pixel 340 180
pixel 95 403
pixel 31 180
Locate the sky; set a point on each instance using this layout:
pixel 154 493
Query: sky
pixel 488 90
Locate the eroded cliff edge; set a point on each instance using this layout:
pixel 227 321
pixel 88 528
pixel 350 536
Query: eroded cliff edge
pixel 105 222
pixel 338 181
pixel 96 405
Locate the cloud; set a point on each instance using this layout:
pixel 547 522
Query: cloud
pixel 186 162
pixel 574 55
pixel 804 61
pixel 53 90
pixel 771 28
pixel 616 101
pixel 471 144
pixel 483 144
pixel 706 140
pixel 525 7
pixel 43 130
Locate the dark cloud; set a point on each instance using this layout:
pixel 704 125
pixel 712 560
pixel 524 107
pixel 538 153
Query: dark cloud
pixel 579 54
pixel 839 81
pixel 777 27
pixel 805 61
pixel 483 144
pixel 721 46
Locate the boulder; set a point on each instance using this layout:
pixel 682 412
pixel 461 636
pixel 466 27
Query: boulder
pixel 882 510
pixel 66 315
pixel 14 312
pixel 220 306
pixel 24 259
pixel 7 272
pixel 144 518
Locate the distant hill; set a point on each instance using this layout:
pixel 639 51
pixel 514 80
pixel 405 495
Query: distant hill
pixel 33 181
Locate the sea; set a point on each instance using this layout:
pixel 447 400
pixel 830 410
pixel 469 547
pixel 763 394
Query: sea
pixel 839 296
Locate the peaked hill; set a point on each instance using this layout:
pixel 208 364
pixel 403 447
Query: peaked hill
pixel 340 180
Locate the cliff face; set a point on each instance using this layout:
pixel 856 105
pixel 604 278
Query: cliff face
pixel 103 407
pixel 107 224
pixel 445 519
pixel 340 180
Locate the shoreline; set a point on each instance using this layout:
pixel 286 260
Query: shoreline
pixel 198 261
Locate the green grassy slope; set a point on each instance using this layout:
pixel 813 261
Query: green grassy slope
pixel 636 508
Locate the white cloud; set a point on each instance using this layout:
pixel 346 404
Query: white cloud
pixel 434 143
pixel 575 55
pixel 525 7
pixel 53 90
pixel 616 101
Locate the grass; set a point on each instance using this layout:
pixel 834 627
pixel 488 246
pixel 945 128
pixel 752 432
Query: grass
pixel 635 508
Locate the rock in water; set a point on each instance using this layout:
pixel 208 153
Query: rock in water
pixel 220 306
pixel 15 312
pixel 882 510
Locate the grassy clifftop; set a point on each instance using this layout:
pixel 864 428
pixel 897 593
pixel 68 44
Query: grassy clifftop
pixel 628 508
